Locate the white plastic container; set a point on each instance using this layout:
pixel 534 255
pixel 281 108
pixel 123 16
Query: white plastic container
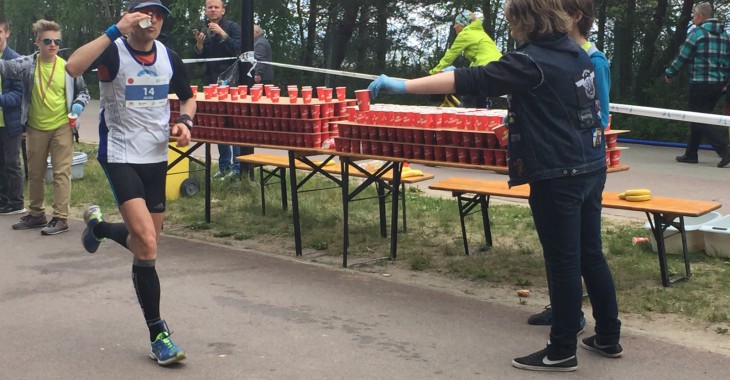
pixel 695 237
pixel 717 237
pixel 77 167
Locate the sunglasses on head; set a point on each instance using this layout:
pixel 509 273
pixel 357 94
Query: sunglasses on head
pixel 47 41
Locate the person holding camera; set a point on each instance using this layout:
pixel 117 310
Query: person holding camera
pixel 219 38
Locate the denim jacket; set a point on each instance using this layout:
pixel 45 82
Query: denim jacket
pixel 23 68
pixel 11 98
pixel 554 130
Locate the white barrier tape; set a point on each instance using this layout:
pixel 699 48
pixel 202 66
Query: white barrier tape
pixel 249 57
pixel 199 60
pixel 668 114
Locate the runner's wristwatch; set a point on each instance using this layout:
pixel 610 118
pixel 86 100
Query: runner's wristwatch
pixel 185 119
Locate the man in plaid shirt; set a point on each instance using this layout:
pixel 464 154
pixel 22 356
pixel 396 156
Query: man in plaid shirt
pixel 707 50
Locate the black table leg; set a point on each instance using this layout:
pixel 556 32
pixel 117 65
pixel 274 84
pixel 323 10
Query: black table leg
pixel 397 167
pixel 295 204
pixel 381 208
pixel 345 166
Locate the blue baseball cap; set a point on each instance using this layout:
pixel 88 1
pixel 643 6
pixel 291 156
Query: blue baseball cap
pixel 139 4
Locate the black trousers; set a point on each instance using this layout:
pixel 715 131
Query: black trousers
pixel 702 98
pixel 11 175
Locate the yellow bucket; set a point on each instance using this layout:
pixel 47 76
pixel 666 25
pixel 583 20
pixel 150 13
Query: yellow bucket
pixel 177 174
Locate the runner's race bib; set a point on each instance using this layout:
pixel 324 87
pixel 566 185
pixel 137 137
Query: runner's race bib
pixel 146 91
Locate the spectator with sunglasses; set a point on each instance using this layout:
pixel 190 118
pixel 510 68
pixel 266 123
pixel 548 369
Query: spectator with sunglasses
pixel 49 96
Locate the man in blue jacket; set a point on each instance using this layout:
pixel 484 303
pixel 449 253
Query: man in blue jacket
pixel 11 130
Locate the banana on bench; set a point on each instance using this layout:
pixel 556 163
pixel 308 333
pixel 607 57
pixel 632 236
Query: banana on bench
pixel 636 195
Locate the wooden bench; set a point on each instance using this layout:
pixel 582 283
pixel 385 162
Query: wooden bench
pixel 328 168
pixel 661 212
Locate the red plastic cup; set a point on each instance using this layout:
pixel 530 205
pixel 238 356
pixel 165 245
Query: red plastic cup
pixel 194 89
pixel 611 141
pixel 72 119
pixel 242 91
pixel 234 93
pixel 273 94
pixel 488 157
pixel 255 93
pixel 500 157
pixel 267 88
pixel 293 93
pixel 327 94
pixel 320 93
pixel 341 93
pixel 502 134
pixel 615 157
pixel 316 109
pixel 363 99
pixel 306 95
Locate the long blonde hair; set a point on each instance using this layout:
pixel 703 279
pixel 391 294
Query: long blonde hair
pixel 532 20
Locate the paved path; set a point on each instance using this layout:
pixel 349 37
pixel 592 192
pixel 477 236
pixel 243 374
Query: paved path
pixel 66 314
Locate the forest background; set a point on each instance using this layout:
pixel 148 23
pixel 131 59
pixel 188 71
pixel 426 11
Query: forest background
pixel 402 38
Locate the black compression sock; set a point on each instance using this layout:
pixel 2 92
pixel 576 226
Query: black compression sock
pixel 115 231
pixel 147 286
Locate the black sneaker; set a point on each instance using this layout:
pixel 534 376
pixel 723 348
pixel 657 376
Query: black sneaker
pixel 541 361
pixel 687 160
pixel 10 210
pixel 725 158
pixel 55 227
pixel 543 318
pixel 609 351
pixel 29 221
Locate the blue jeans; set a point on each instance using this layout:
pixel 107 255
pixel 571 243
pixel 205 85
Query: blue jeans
pixel 567 215
pixel 227 158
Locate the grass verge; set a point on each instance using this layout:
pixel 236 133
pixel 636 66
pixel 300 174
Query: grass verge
pixel 432 243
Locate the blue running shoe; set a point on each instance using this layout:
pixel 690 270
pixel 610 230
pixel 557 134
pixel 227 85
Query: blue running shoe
pixel 165 351
pixel 92 217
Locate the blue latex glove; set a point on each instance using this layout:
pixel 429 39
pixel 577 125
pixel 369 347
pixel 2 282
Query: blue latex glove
pixel 77 108
pixel 386 85
pixel 450 68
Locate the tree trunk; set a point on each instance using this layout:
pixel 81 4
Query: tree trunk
pixel 680 32
pixel 308 57
pixel 624 49
pixel 362 45
pixel 647 68
pixel 601 21
pixel 488 21
pixel 344 29
pixel 382 43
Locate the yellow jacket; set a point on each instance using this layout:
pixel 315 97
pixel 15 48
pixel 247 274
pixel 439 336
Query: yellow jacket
pixel 477 46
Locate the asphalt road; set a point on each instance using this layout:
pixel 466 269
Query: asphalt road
pixel 65 314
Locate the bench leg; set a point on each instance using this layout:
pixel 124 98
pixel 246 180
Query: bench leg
pixel 403 205
pixel 381 209
pixel 658 225
pixel 262 183
pixel 462 215
pixel 282 182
